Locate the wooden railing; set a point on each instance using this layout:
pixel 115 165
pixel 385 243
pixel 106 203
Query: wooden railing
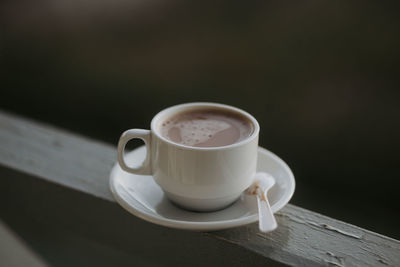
pixel 59 181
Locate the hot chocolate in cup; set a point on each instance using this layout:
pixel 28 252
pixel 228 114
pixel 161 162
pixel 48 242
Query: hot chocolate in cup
pixel 202 155
pixel 206 127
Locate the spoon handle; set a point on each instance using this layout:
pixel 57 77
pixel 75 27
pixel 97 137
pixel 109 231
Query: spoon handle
pixel 267 220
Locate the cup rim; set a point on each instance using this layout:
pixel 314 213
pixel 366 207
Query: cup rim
pixel 163 112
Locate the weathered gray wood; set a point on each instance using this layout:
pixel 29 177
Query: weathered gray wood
pixel 302 238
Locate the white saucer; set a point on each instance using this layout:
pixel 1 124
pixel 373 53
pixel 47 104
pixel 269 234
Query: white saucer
pixel 141 196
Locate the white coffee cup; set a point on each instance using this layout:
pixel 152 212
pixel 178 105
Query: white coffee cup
pixel 196 178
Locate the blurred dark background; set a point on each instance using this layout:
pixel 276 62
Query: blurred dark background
pixel 322 78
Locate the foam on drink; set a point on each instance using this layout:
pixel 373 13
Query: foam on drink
pixel 207 128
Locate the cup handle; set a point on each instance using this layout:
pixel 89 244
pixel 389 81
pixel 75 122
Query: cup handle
pixel 128 135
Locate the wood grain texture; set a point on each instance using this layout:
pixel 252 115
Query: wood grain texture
pixel 303 238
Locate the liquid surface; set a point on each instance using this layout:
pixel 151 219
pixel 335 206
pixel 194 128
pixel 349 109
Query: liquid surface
pixel 207 128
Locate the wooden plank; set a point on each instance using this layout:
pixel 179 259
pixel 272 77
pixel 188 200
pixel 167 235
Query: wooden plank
pixel 302 238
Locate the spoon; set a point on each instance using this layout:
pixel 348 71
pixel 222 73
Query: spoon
pixel 262 183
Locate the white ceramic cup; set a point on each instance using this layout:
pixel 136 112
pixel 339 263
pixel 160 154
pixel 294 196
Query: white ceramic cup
pixel 196 178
